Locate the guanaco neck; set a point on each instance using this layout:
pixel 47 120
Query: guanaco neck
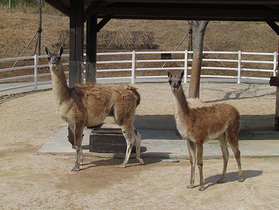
pixel 59 86
pixel 181 105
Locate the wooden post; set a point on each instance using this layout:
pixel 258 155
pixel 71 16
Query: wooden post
pixel 91 48
pixel 276 123
pixel 76 47
pixel 275 27
pixel 76 41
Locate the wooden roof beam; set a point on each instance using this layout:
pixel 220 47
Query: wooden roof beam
pixel 190 12
pixel 103 22
pixel 92 9
pixel 59 6
pixel 273 25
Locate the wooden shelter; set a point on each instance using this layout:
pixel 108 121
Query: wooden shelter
pixel 81 11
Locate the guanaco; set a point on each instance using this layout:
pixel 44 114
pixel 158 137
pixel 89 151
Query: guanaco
pixel 89 104
pixel 198 125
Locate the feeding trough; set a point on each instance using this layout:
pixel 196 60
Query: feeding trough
pixel 107 139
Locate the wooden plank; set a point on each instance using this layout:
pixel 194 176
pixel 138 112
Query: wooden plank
pixel 108 143
pixel 107 140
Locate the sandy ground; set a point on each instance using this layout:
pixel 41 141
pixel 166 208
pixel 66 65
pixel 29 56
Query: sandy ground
pixel 30 181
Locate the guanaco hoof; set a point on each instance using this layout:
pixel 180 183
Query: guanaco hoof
pixel 141 161
pixel 76 168
pixel 220 181
pixel 121 166
pixel 201 189
pixel 241 180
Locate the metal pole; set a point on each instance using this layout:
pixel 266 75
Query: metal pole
pixel 214 54
pixel 190 45
pixel 26 47
pixel 177 47
pixel 35 72
pixel 40 28
pixel 239 68
pixel 133 67
pixel 50 40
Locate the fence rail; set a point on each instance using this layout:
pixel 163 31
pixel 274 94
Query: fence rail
pixel 232 64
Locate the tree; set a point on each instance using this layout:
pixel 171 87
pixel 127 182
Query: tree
pixel 199 31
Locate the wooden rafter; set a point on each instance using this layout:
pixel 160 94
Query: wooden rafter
pixel 255 10
pixel 59 6
pixel 273 25
pixel 92 9
pixel 103 22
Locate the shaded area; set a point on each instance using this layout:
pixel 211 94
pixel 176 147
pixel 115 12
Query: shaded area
pixel 231 177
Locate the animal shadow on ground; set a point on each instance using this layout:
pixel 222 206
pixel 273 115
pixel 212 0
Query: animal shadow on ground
pixel 117 161
pixel 231 177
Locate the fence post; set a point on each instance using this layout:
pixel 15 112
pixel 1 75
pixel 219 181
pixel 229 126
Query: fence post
pixel 275 64
pixel 185 66
pixel 35 72
pixel 133 67
pixel 239 68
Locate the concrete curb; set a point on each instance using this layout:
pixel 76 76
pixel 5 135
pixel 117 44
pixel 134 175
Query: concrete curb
pixel 165 144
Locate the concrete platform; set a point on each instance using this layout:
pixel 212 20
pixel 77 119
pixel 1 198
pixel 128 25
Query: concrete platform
pixel 164 143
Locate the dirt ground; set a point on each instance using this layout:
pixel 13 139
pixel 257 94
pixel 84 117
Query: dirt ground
pixel 30 181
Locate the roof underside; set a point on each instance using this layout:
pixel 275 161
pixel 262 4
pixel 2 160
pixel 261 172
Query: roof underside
pixel 249 10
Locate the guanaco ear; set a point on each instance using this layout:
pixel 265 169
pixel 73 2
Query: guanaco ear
pixel 169 74
pixel 47 51
pixel 182 74
pixel 61 50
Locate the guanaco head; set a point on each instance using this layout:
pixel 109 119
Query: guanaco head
pixel 175 80
pixel 54 59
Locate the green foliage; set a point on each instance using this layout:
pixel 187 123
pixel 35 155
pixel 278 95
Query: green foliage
pixel 20 2
pixel 28 6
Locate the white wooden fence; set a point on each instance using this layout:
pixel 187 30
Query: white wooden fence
pixel 136 63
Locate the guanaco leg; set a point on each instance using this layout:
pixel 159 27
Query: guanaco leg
pixel 200 164
pixel 192 155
